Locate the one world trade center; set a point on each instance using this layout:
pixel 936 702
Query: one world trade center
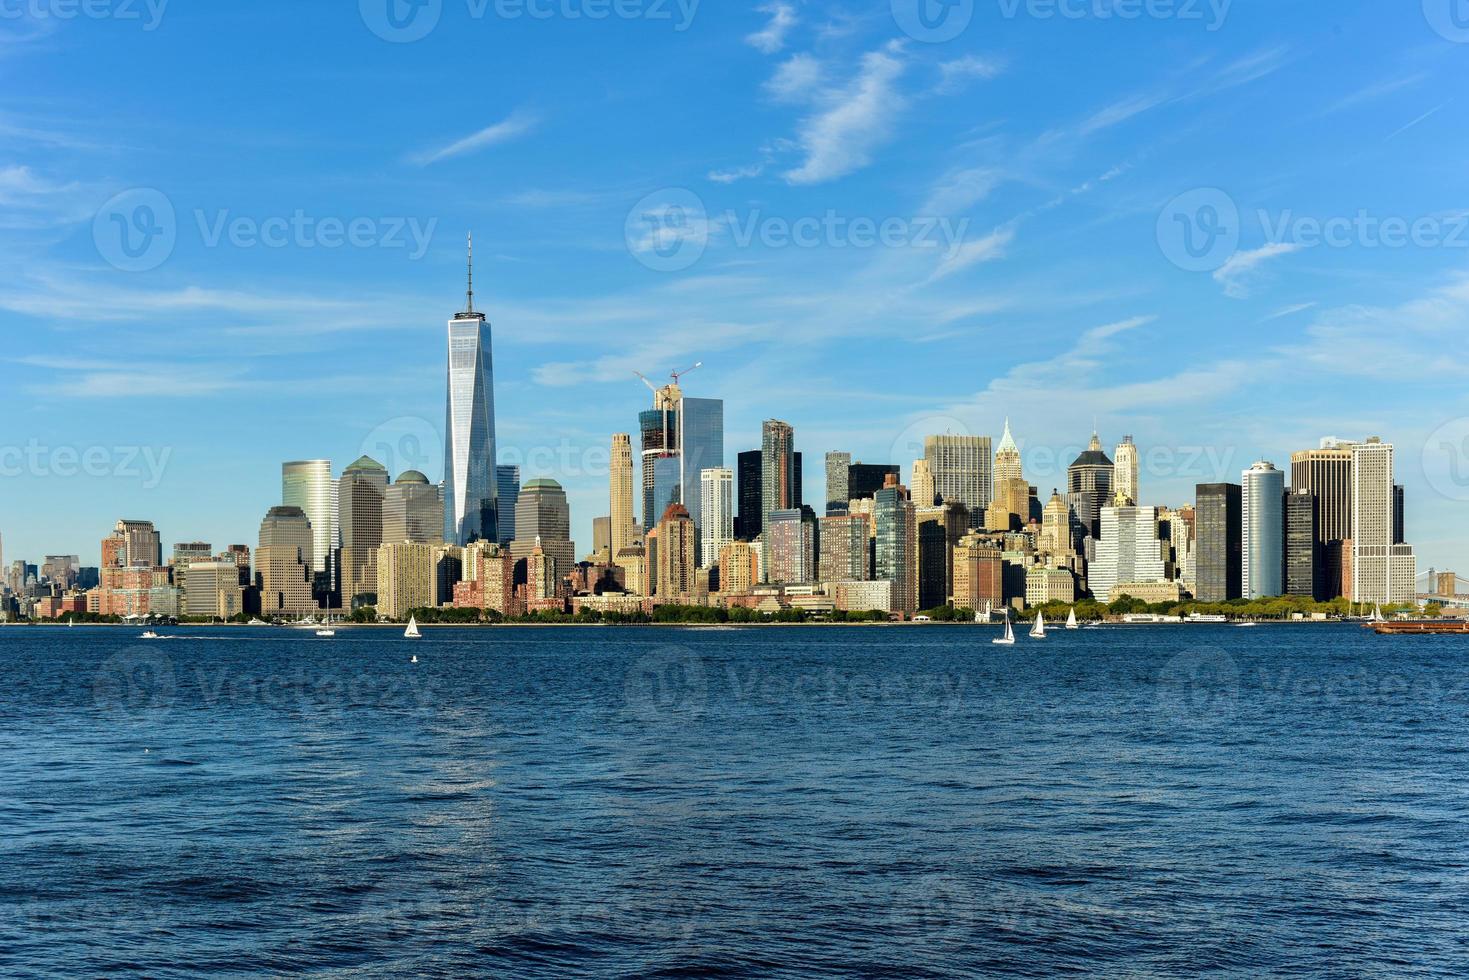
pixel 471 502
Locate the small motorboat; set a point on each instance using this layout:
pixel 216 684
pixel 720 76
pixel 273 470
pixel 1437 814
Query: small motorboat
pixel 326 632
pixel 149 635
pixel 414 660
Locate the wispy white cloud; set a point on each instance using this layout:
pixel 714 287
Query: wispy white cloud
pixel 852 122
pixel 734 174
pixel 543 198
pixel 1377 90
pixel 513 127
pixel 958 191
pixel 1120 112
pixel 1234 275
pixel 962 70
pixel 986 249
pixel 1420 338
pixel 1414 122
pixel 797 78
pixel 772 37
pixel 1291 310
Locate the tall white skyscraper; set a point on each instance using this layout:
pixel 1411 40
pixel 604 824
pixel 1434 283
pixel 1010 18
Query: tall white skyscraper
pixel 1262 511
pixel 471 494
pixel 1124 478
pixel 1382 569
pixel 1128 551
pixel 716 513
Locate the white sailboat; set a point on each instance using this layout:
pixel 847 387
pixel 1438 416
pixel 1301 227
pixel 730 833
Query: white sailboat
pixel 1038 631
pixel 1008 640
pixel 1377 616
pixel 412 632
pixel 1071 622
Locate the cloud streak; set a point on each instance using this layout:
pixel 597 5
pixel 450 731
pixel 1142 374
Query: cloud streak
pixel 841 137
pixel 516 125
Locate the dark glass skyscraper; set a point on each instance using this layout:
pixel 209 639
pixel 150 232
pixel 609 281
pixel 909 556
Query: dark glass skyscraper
pixel 1089 487
pixel 1219 508
pixel 751 484
pixel 865 479
pixel 470 492
pixel 1303 566
pixel 507 486
pixel 701 447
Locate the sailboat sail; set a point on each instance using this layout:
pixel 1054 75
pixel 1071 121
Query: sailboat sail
pixel 1009 638
pixel 1038 631
pixel 412 631
pixel 1071 619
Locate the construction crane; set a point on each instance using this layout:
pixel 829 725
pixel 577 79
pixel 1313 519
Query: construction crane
pixel 675 375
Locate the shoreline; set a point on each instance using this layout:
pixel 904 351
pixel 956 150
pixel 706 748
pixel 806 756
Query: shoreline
pixel 55 624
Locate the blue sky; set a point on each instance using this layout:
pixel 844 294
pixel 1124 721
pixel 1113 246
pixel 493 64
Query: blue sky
pixel 1122 213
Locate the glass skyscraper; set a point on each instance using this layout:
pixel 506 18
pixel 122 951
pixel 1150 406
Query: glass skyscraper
pixel 681 437
pixel 507 486
pixel 470 487
pixel 1262 514
pixel 701 447
pixel 308 484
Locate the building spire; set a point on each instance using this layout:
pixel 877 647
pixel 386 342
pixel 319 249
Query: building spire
pixel 471 272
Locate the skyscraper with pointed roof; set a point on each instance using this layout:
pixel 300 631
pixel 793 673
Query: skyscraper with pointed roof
pixel 1007 459
pixel 471 496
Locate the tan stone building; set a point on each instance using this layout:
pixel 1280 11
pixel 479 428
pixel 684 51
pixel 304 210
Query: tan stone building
pixel 407 578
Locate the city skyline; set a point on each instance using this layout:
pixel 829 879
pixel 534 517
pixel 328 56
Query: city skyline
pixel 1063 302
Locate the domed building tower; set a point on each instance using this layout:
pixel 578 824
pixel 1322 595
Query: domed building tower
pixel 413 511
pixel 1089 487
